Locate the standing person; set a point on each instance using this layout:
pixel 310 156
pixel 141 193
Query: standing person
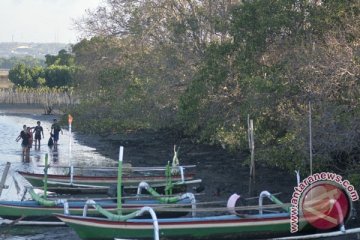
pixel 56 129
pixel 38 132
pixel 25 141
pixel 31 137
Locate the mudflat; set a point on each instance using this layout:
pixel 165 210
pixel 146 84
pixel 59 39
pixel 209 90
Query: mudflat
pixel 222 173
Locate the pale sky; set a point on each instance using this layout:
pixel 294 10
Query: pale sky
pixel 41 21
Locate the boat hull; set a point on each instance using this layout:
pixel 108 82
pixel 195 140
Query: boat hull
pixel 33 211
pixel 182 228
pixel 103 185
pixel 56 180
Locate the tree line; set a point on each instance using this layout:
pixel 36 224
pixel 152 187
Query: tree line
pixel 203 67
pixel 9 63
pixel 57 72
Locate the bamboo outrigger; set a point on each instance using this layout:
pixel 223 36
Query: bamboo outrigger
pixel 260 222
pixel 89 183
pixel 41 208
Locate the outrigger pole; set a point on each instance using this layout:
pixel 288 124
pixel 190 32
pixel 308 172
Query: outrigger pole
pixel 121 155
pixel 45 175
pixel 3 177
pixel 70 119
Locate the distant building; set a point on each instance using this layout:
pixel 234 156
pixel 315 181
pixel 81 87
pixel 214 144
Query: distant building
pixel 22 50
pixel 36 50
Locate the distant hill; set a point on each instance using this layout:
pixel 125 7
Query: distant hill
pixel 36 50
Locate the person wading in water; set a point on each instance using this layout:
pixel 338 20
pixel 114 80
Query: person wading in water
pixel 38 132
pixel 25 136
pixel 55 130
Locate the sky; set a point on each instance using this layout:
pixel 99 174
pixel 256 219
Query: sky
pixel 42 21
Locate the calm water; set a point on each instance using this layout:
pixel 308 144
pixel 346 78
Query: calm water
pixel 66 153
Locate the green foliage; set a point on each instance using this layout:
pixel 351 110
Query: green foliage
pixel 258 77
pixel 354 179
pixel 194 102
pixel 9 63
pixel 53 76
pixel 58 73
pixel 63 59
pixel 58 76
pixel 24 76
pixel 204 66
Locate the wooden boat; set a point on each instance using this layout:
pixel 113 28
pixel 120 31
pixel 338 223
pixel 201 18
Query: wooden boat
pixel 36 179
pixel 32 210
pixel 131 177
pixel 96 184
pixel 265 225
pixel 245 222
pixel 90 184
pixel 252 222
pixel 266 222
pixel 41 207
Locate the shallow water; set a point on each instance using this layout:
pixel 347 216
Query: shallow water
pixel 69 151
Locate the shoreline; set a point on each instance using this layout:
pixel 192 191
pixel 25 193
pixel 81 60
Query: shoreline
pixel 222 173
pixel 27 109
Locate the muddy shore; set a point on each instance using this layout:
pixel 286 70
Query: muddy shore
pixel 222 173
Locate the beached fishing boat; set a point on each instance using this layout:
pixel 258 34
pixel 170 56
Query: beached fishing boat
pixel 42 208
pixel 35 210
pixel 245 222
pixel 54 180
pixel 99 179
pixel 252 222
pixel 266 225
pixel 103 177
pixel 120 225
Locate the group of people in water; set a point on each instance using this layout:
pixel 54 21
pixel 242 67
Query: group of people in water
pixel 29 134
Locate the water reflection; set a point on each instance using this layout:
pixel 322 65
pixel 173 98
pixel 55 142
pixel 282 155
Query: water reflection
pixel 54 154
pixel 69 151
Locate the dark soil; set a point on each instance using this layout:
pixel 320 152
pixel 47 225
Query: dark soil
pixel 222 173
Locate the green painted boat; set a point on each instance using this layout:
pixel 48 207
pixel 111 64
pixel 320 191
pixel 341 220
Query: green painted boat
pixel 214 227
pixel 43 208
pixel 31 210
pixel 54 180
